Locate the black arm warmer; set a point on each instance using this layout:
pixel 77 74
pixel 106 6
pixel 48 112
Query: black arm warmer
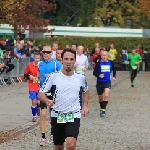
pixel 26 76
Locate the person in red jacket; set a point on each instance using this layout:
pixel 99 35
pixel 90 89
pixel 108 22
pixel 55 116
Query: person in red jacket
pixel 95 56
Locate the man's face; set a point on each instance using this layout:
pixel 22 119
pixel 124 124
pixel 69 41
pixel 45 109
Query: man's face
pixel 47 53
pixel 73 47
pixel 58 55
pixel 67 46
pixel 37 59
pixel 55 47
pixel 96 45
pixel 133 51
pixel 111 46
pixel 68 61
pixel 97 50
pixel 104 56
pixel 80 50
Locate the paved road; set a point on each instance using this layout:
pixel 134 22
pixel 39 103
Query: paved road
pixel 126 126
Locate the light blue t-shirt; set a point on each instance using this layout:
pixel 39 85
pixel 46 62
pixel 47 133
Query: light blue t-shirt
pixel 48 67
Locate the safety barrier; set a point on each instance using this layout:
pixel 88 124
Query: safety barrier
pixel 20 65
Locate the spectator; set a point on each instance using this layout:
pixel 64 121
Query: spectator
pixel 124 58
pixel 145 60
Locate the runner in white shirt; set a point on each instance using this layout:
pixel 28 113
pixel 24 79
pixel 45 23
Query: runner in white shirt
pixel 54 48
pixel 81 64
pixel 65 86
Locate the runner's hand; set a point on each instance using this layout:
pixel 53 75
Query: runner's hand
pixel 136 63
pixel 46 75
pixel 114 79
pixel 101 75
pixel 85 111
pixel 76 65
pixel 50 103
pixel 85 69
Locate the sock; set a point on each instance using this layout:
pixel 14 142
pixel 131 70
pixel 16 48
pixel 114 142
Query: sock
pixel 34 110
pixel 43 135
pixel 51 132
pixel 101 104
pixel 104 104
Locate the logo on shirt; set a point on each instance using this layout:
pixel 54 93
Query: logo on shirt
pixel 105 68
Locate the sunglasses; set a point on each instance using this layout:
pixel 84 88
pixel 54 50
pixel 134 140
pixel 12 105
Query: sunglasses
pixel 46 52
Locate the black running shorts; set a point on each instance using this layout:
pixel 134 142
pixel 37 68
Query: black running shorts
pixel 101 86
pixel 63 130
pixel 43 105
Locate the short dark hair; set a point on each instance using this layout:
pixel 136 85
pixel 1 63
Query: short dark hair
pixel 68 50
pixel 37 53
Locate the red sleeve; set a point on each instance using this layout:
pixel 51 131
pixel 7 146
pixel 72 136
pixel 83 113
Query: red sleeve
pixel 27 71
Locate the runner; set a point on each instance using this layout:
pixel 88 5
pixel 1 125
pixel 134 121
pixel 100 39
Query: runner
pixel 81 65
pixel 95 56
pixel 134 59
pixel 33 85
pixel 46 66
pixel 103 71
pixel 65 104
pixel 58 55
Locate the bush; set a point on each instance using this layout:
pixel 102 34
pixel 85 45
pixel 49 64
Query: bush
pixel 88 42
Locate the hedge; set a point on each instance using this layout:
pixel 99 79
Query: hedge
pixel 89 42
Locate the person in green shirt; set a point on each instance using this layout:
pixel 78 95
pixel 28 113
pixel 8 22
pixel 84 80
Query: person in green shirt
pixel 1 53
pixel 134 60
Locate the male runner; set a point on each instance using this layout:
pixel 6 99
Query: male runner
pixel 46 66
pixel 65 104
pixel 30 73
pixel 103 71
pixel 134 59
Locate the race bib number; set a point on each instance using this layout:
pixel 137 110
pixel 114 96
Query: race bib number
pixel 134 67
pixel 79 69
pixel 65 117
pixel 105 68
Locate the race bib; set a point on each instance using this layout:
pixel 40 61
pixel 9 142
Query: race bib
pixel 79 69
pixel 65 117
pixel 134 67
pixel 105 68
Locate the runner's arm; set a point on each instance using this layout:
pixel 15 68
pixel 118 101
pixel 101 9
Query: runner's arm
pixel 85 92
pixel 113 69
pixel 44 89
pixel 95 72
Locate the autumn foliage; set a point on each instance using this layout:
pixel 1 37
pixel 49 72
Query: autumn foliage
pixel 26 13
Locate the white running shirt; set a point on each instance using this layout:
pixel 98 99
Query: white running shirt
pixel 53 54
pixel 66 93
pixel 82 62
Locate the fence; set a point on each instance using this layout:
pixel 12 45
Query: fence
pixel 20 65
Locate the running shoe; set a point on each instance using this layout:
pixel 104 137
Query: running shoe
pixel 34 119
pixel 132 85
pixel 42 142
pixel 51 139
pixel 102 112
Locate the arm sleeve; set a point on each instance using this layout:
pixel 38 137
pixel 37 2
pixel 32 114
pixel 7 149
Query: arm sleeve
pixel 84 84
pixel 47 84
pixel 27 73
pixel 95 72
pixel 113 69
pixel 87 63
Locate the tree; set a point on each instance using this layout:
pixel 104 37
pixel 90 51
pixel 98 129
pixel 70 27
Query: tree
pixel 83 8
pixel 116 12
pixel 145 7
pixel 23 14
